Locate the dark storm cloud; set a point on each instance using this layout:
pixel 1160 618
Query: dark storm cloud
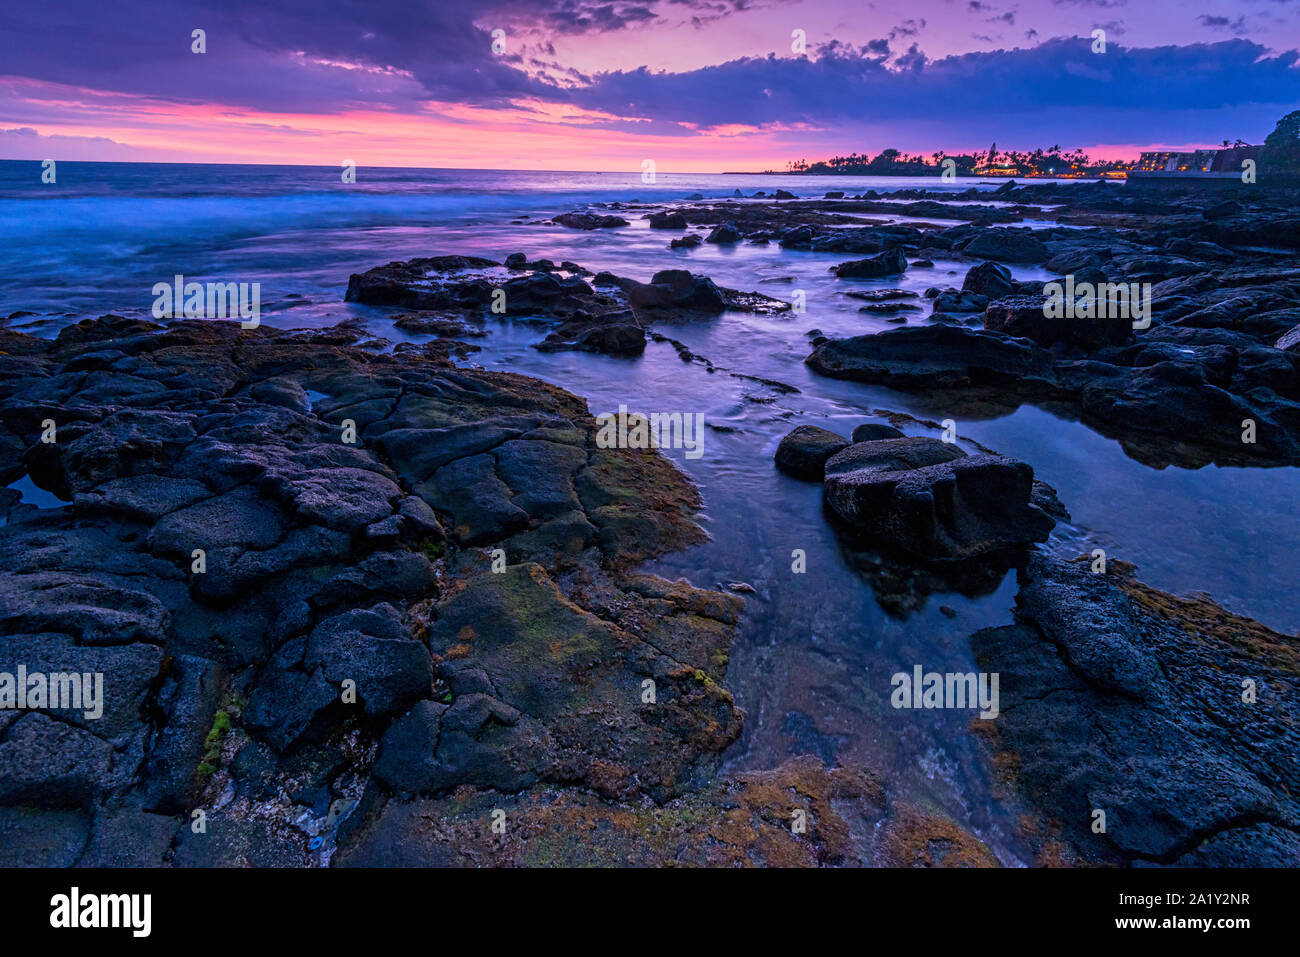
pixel 1060 81
pixel 266 55
pixel 578 17
pixel 263 55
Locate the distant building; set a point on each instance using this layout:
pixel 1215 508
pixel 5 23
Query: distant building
pixel 1194 165
pixel 1198 161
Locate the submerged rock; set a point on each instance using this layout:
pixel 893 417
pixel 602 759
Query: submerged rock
pixel 590 221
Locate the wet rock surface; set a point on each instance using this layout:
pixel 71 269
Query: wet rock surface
pixel 1168 400
pixel 1214 348
pixel 342 614
pixel 1028 317
pixel 803 453
pixel 1174 717
pixel 934 501
pixel 590 221
pixel 416 604
pixel 936 357
pixel 915 515
pixel 608 314
pixel 891 263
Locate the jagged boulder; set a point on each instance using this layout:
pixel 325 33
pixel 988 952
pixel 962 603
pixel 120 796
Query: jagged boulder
pixel 725 235
pixel 668 219
pixel 1007 245
pixel 1044 321
pixel 676 289
pixel 938 356
pixel 892 262
pixel 989 279
pixel 930 499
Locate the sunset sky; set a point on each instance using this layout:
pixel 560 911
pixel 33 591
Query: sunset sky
pixel 695 85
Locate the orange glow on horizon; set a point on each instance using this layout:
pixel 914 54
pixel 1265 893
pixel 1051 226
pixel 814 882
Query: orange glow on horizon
pixel 527 135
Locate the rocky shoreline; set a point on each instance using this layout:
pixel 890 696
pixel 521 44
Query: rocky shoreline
pixel 368 565
pixel 353 601
pixel 1173 718
pixel 1221 277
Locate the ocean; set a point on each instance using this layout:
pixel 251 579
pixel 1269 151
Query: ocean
pixel 99 236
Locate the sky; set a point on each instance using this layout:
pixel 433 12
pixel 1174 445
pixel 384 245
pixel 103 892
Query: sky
pixel 693 85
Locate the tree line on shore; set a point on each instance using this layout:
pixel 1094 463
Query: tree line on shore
pixel 1279 155
pixel 891 162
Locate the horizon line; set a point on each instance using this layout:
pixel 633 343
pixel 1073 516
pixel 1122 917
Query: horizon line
pixel 462 169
